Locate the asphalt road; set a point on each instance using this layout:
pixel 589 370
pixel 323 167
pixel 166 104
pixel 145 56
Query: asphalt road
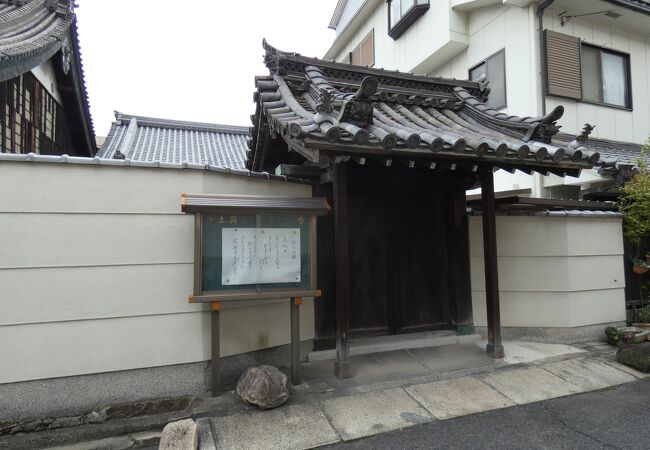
pixel 612 418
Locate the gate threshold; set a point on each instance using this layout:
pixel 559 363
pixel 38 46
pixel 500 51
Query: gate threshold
pixel 378 344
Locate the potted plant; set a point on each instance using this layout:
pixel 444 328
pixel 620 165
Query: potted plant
pixel 639 266
pixel 626 335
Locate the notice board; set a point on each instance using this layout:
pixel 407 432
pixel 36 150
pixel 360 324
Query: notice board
pixel 253 247
pixel 255 251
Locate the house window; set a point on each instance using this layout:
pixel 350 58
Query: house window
pixel 364 53
pixel 586 72
pixel 605 76
pixel 402 13
pixel 494 68
pixel 29 121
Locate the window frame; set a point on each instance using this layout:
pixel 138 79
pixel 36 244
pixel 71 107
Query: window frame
pixel 505 84
pixel 414 12
pixel 628 77
pixel 371 35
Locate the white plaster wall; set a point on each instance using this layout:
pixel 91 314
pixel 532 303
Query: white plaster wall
pixel 611 123
pixel 553 271
pixel 45 74
pixel 96 264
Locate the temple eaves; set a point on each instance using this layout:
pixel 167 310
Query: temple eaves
pixel 340 110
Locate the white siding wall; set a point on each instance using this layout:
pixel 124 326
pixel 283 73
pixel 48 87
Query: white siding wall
pixel 352 7
pixel 553 271
pixel 447 42
pixel 436 36
pixel 490 30
pixel 96 266
pixel 611 123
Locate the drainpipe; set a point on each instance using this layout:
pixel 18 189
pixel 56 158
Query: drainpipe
pixel 542 60
pixel 538 179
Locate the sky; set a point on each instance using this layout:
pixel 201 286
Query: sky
pixel 190 60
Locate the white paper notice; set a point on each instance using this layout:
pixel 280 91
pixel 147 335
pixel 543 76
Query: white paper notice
pixel 260 255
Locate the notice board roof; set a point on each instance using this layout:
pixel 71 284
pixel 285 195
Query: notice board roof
pixel 299 205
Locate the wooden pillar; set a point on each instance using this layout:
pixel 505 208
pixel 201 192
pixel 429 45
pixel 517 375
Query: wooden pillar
pixel 459 262
pixel 215 365
pixel 295 340
pixel 342 366
pixel 494 347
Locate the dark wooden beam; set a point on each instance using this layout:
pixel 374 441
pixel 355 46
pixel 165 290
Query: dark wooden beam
pixel 494 347
pixel 547 203
pixel 342 366
pixel 301 171
pixel 571 168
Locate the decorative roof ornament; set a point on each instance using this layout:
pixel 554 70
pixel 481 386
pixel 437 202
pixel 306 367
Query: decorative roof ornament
pixel 270 56
pixel 545 128
pixel 325 102
pixel 272 59
pixel 358 109
pixel 62 8
pixel 581 139
pixel 66 56
pixel 483 85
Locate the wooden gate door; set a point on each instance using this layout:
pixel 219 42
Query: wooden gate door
pixel 401 234
pixel 398 255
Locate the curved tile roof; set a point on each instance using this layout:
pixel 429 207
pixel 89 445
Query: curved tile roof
pixel 148 139
pixel 320 106
pixel 107 163
pixel 31 32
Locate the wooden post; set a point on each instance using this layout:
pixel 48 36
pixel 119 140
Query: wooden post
pixel 459 262
pixel 494 347
pixel 295 340
pixel 215 366
pixel 342 366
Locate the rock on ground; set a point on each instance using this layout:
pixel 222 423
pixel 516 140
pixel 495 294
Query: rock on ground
pixel 181 435
pixel 263 386
pixel 635 355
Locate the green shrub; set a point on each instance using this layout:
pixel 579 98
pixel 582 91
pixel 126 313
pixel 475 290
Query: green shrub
pixel 643 314
pixel 635 200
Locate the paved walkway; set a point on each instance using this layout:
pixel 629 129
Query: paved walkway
pixel 615 418
pixel 397 390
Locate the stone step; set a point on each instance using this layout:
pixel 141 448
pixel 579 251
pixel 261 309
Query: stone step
pixel 378 344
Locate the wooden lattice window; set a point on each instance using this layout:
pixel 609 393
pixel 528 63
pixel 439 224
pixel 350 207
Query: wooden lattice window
pixel 29 116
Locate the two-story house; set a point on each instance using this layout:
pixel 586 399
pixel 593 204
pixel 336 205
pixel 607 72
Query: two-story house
pixel 590 56
pixel 43 99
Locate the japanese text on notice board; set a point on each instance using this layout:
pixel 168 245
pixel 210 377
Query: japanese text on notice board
pixel 260 255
